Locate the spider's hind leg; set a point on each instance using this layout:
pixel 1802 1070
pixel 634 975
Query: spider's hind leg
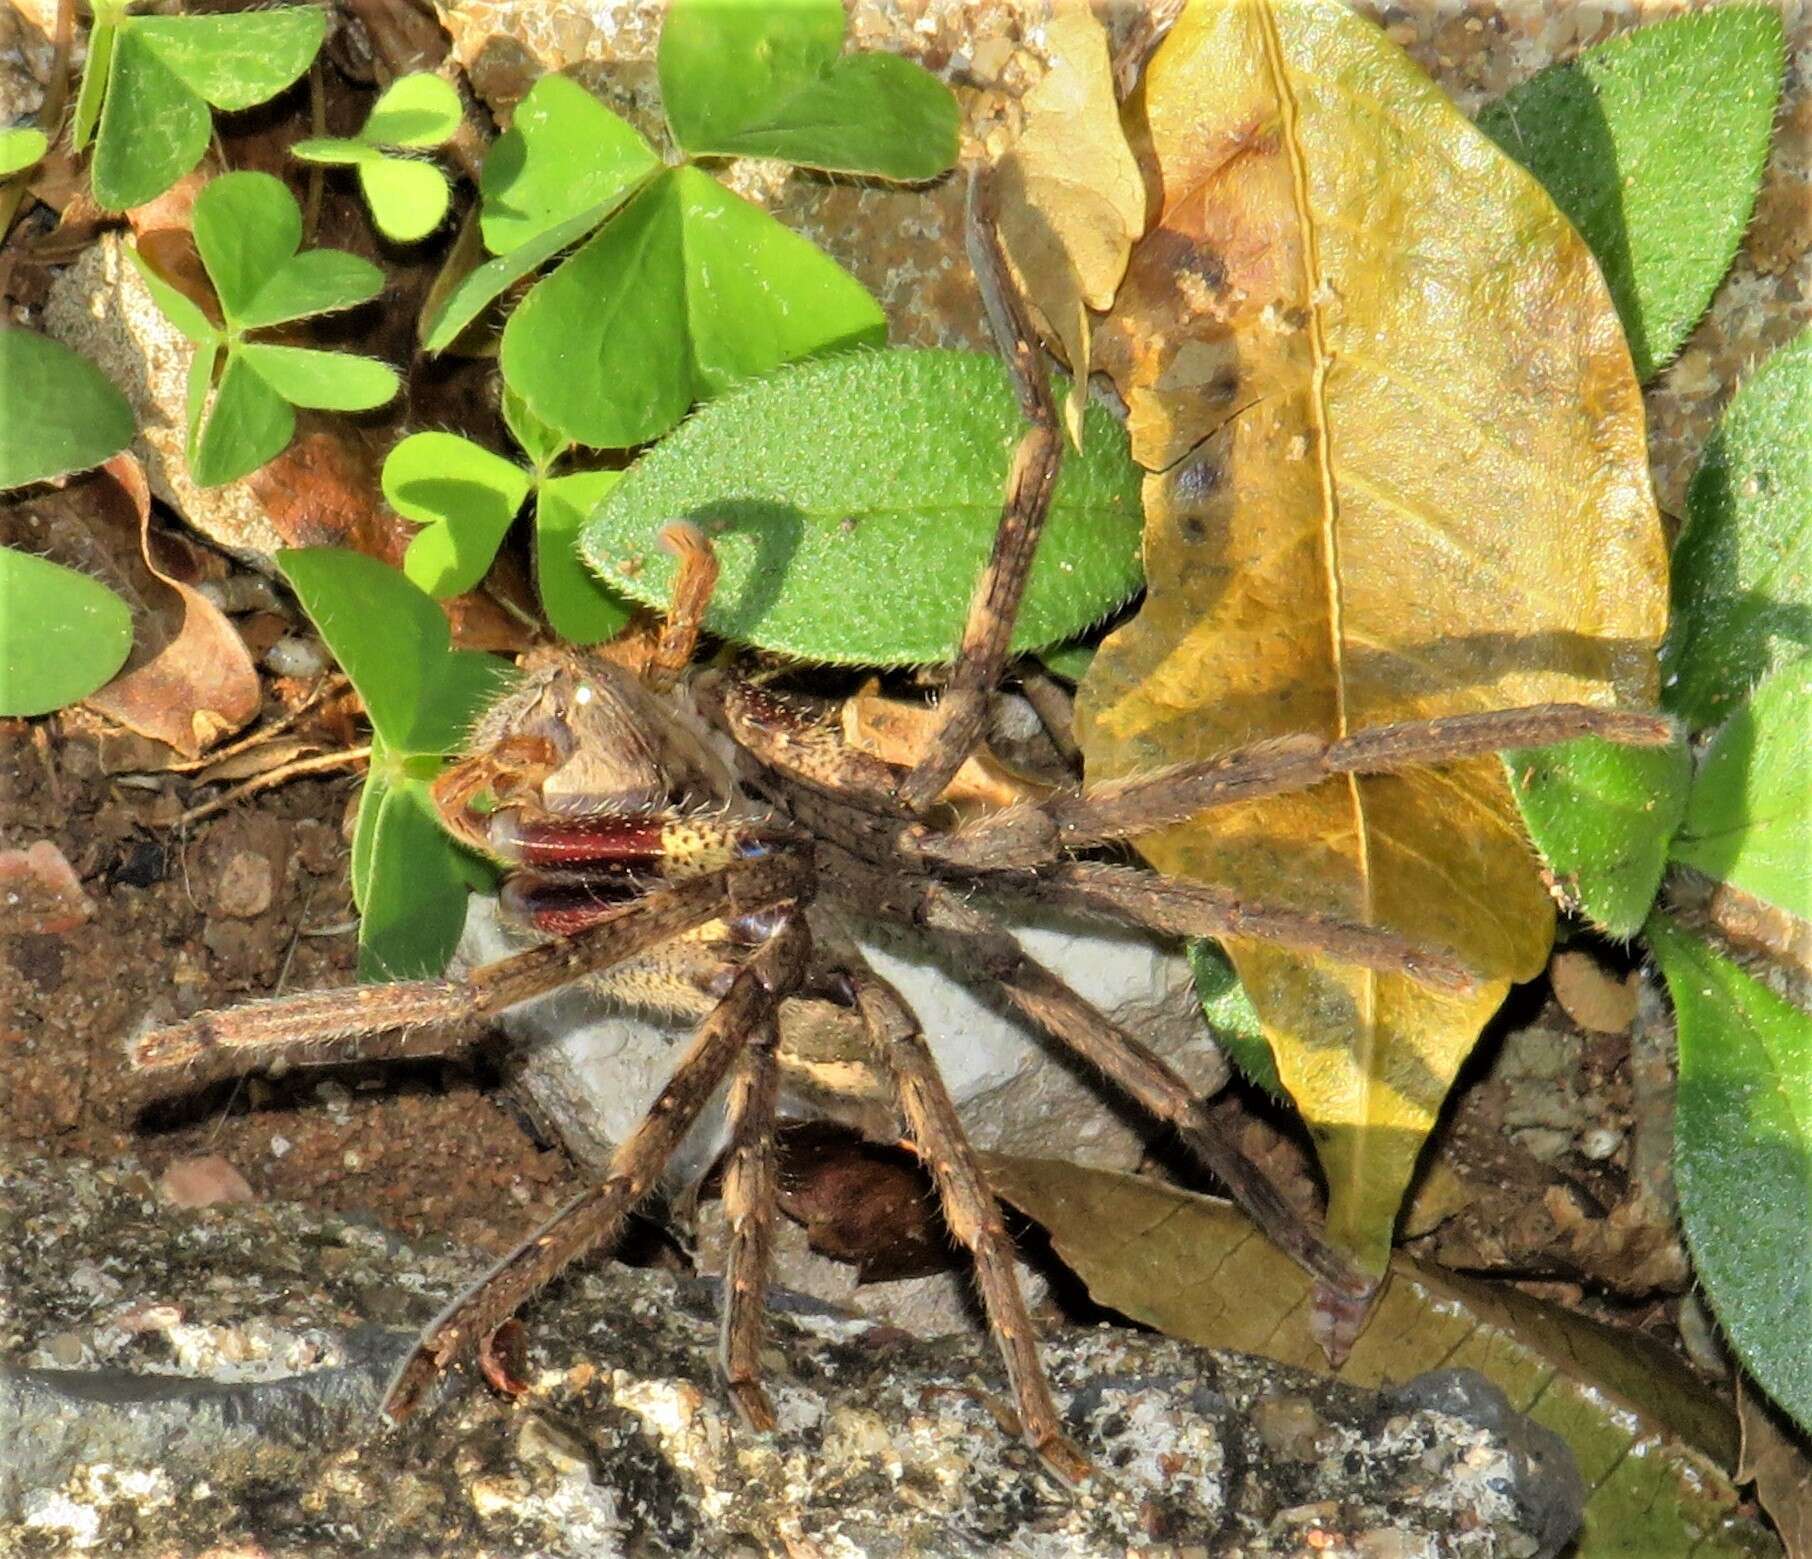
pixel 970 1212
pixel 596 1217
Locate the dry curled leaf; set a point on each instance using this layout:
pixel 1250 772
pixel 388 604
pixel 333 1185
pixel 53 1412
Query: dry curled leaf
pixel 1774 1459
pixel 1399 472
pixel 899 732
pixel 1653 1443
pixel 1072 199
pixel 189 680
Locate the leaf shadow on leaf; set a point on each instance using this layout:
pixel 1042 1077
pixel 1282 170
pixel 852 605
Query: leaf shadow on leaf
pixel 1590 190
pixel 777 529
pixel 1749 634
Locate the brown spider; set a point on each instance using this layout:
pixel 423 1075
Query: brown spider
pixel 678 879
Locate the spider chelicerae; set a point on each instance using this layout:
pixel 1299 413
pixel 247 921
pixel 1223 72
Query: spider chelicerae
pixel 675 870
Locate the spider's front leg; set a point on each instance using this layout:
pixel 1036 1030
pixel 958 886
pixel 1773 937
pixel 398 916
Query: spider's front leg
pixel 988 632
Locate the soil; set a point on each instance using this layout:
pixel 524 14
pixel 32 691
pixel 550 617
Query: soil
pixel 428 1148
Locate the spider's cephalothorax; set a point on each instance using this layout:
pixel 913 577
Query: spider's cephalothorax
pixel 694 842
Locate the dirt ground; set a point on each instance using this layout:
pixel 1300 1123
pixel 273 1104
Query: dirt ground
pixel 249 902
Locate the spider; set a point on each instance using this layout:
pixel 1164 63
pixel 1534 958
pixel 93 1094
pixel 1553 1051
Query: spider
pixel 694 875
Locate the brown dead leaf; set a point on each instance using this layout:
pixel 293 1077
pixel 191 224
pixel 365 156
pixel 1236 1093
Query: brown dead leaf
pixel 1071 197
pixel 189 680
pixel 899 732
pixel 1774 1459
pixel 1400 472
pixel 1652 1442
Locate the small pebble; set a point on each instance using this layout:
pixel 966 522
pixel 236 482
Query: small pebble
pixel 295 656
pixel 203 1181
pixel 65 1348
pixel 1600 1143
pixel 245 886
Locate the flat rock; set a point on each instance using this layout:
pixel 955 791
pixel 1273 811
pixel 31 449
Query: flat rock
pixel 175 1381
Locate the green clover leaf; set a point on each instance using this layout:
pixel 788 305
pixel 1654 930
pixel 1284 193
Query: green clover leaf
pixel 466 498
pixel 62 634
pixel 744 78
pixel 248 231
pixel 150 81
pixel 408 197
pixel 688 291
pixel 20 147
pixel 409 877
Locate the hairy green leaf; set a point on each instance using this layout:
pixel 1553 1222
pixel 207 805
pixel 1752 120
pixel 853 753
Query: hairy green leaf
pixel 20 147
pixel 409 878
pixel 1742 580
pixel 318 281
pixel 1232 1016
pixel 248 424
pixel 684 293
pixel 417 110
pixel 414 905
pixel 392 641
pixel 853 502
pixel 464 302
pixel 1602 817
pixel 1653 144
pixel 753 80
pixel 62 413
pixel 1743 1158
pixel 326 381
pixel 62 634
pixel 1749 819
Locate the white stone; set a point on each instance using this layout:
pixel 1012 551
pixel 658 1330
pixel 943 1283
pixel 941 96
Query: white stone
pixel 592 1071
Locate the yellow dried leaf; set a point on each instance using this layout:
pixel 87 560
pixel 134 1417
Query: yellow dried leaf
pixel 1400 472
pixel 1072 200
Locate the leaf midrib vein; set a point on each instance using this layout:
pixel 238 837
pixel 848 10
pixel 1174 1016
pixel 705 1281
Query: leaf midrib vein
pixel 1313 285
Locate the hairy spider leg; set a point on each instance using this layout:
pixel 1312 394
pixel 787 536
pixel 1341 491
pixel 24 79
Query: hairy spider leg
pixel 970 1211
pixel 993 609
pixel 1124 809
pixel 751 1191
pixel 596 1217
pixel 320 1027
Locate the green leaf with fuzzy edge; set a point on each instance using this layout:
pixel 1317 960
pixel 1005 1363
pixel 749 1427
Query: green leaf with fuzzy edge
pixel 1232 1016
pixel 248 424
pixel 62 634
pixel 688 290
pixel 325 381
pixel 1653 145
pixel 20 147
pixel 486 283
pixel 418 111
pixel 853 503
pixel 1742 576
pixel 62 413
pixel 414 905
pixel 409 877
pixel 1603 817
pixel 1743 1158
pixel 565 154
pixel 745 79
pixel 1749 819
